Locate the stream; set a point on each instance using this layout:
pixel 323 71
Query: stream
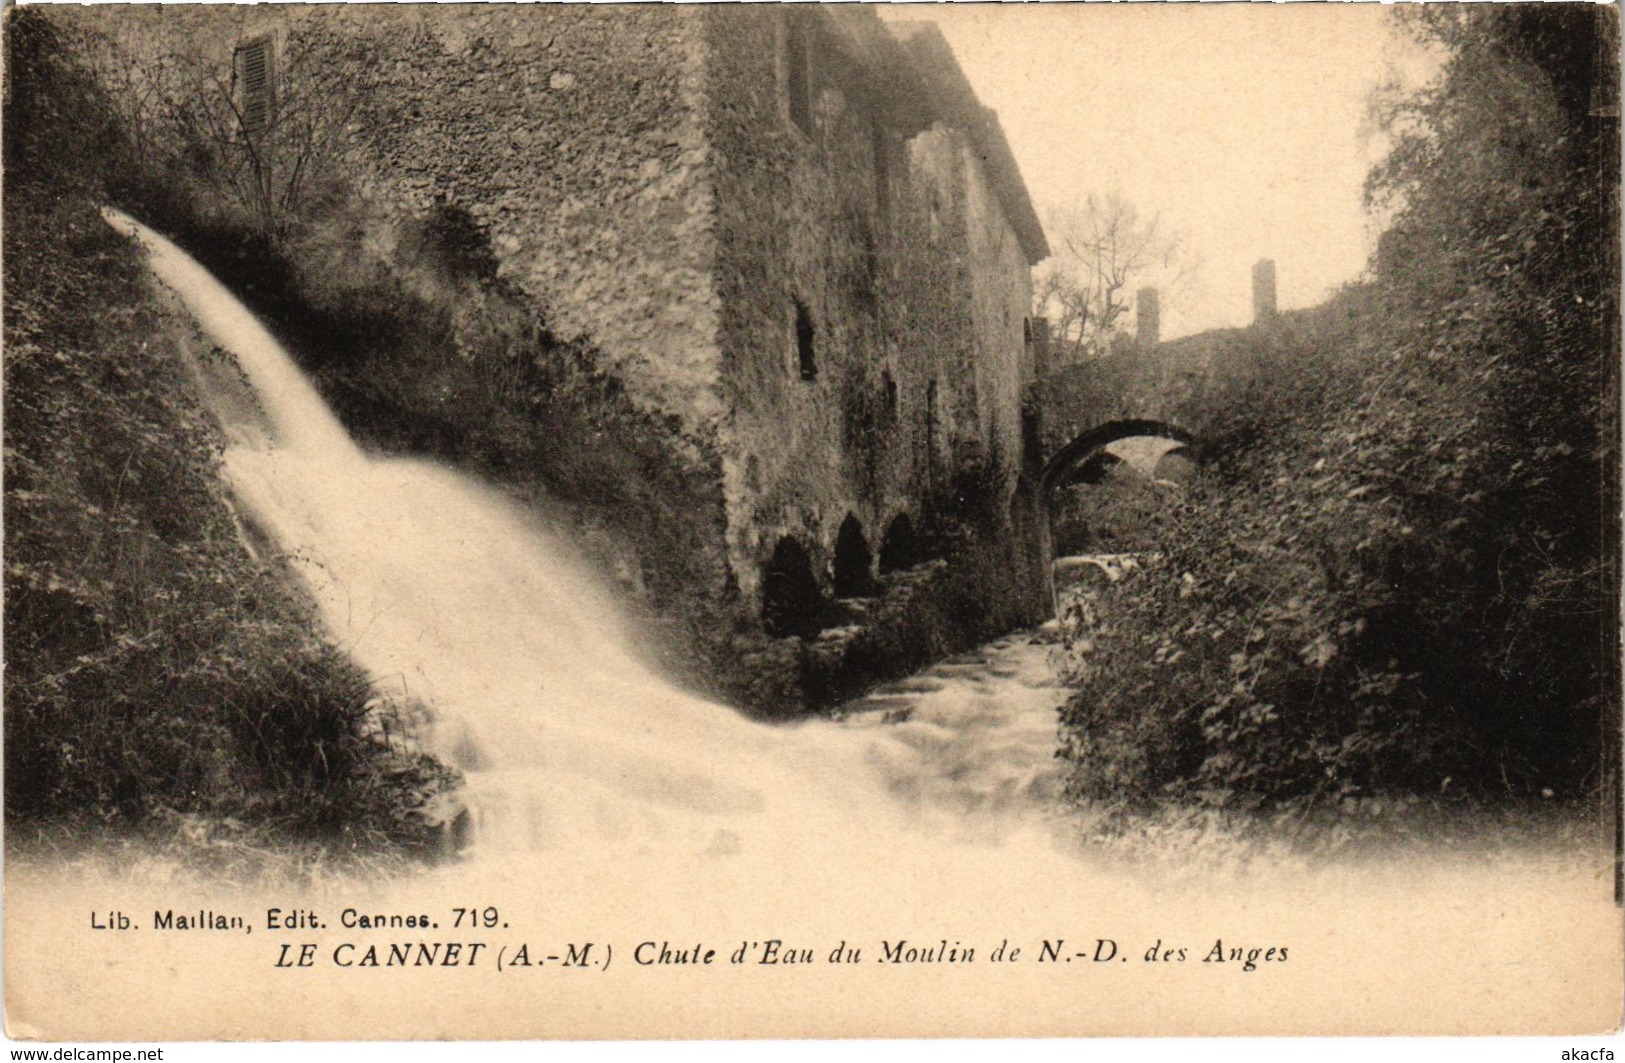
pixel 620 820
pixel 983 723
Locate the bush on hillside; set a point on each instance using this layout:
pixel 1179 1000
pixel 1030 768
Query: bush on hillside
pixel 1398 575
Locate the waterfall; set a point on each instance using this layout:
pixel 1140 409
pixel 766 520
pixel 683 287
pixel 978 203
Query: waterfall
pixel 445 591
pixel 616 812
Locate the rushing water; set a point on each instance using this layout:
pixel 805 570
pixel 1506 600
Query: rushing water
pixel 616 810
pixel 447 592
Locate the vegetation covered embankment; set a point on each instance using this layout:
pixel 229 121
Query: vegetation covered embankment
pixel 160 680
pixel 1400 575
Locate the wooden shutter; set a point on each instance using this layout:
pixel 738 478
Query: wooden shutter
pixel 256 83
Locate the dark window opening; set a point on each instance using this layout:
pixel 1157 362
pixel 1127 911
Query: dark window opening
pixel 798 75
pixel 254 64
pixel 791 600
pixel 1032 441
pixel 889 387
pixel 806 342
pixel 901 548
pixel 852 561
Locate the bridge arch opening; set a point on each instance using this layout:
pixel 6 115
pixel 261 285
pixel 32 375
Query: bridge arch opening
pixel 792 601
pixel 1106 492
pixel 1095 469
pixel 854 562
pixel 1087 445
pixel 1176 466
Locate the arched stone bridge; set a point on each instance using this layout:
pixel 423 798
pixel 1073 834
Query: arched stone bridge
pixel 1075 410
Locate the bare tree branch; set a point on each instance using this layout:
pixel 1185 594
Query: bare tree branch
pixel 187 108
pixel 1103 246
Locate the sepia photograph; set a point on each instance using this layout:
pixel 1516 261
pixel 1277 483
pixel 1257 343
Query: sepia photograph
pixel 722 522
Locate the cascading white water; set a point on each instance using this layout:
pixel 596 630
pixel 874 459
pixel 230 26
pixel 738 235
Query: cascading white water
pixel 652 819
pixel 444 590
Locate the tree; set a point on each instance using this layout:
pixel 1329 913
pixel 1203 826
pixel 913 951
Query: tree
pixel 1503 182
pixel 1400 572
pixel 261 123
pixel 1102 246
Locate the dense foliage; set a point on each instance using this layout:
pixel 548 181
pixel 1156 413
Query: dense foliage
pixel 1399 574
pixel 156 672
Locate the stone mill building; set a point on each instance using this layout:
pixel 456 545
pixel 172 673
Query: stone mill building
pixel 790 234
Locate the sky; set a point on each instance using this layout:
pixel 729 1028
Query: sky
pixel 1243 127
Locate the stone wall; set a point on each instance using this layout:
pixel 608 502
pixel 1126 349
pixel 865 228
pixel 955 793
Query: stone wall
pixel 815 297
pixel 572 135
pixel 1001 297
pixel 880 224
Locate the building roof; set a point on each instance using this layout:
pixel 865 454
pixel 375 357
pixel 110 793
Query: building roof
pixel 913 71
pixel 932 64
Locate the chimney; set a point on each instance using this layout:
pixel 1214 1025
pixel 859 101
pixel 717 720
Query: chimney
pixel 1035 331
pixel 1147 318
pixel 1263 291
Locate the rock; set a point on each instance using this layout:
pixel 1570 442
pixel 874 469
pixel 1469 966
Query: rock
pixel 447 825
